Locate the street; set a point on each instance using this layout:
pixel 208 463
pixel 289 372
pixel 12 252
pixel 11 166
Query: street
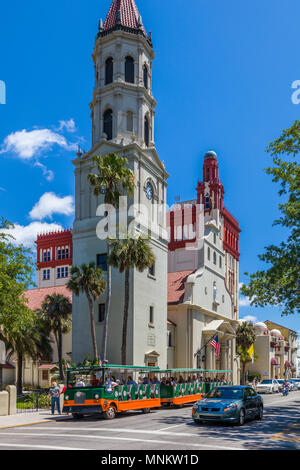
pixel 164 429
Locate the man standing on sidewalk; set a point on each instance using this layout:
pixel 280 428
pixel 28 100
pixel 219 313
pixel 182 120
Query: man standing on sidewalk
pixel 54 393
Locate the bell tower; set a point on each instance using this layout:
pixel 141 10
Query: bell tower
pixel 122 112
pixel 210 191
pixel 123 106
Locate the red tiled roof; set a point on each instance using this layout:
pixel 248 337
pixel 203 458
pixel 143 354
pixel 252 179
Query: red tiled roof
pixel 129 15
pixel 176 283
pixel 36 297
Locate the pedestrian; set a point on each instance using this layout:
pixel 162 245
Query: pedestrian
pixel 54 393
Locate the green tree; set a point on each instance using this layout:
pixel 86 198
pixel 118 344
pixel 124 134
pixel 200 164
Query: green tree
pixel 56 311
pixel 26 335
pixel 125 255
pixel 16 272
pixel 279 285
pixel 245 337
pixel 112 180
pixel 88 279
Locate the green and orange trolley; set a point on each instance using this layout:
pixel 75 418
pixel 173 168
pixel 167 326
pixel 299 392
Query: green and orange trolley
pixel 89 389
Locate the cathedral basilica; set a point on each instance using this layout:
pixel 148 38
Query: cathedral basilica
pixel 190 294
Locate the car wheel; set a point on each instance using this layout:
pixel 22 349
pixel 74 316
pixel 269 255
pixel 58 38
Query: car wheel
pixel 260 413
pixel 241 420
pixel 110 413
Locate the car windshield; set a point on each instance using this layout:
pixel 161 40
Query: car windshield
pixel 266 382
pixel 225 393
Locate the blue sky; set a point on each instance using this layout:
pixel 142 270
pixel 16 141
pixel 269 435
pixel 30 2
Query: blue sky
pixel 223 79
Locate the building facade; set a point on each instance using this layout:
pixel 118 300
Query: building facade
pixel 276 349
pixel 123 112
pixel 203 274
pixel 54 258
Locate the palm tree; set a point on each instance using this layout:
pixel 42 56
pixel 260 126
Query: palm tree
pixel 112 180
pixel 56 311
pixel 245 337
pixel 88 279
pixel 32 340
pixel 127 254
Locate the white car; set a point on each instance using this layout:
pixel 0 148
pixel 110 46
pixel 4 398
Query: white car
pixel 296 382
pixel 268 386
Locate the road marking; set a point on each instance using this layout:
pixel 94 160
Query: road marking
pixel 149 441
pixel 175 426
pixel 135 431
pixel 41 446
pixel 280 435
pixel 283 400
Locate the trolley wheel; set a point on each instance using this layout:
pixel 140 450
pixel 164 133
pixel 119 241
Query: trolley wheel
pixel 110 413
pixel 77 416
pixel 198 421
pixel 146 410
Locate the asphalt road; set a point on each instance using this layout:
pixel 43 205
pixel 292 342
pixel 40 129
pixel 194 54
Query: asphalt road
pixel 164 429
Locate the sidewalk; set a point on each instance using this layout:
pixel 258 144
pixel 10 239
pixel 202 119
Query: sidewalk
pixel 26 419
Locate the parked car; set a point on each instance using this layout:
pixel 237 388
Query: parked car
pixel 296 382
pixel 292 386
pixel 231 404
pixel 268 386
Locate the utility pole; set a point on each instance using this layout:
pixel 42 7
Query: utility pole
pixel 2 361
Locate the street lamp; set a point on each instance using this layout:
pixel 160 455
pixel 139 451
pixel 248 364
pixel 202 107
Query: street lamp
pixel 2 361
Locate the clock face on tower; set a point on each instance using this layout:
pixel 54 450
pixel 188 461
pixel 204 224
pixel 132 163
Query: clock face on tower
pixel 149 191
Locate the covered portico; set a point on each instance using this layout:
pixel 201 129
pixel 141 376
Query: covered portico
pixel 226 336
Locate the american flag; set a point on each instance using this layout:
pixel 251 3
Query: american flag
pixel 216 345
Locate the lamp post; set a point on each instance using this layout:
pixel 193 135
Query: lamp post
pixel 2 361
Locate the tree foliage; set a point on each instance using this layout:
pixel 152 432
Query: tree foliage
pixel 112 180
pixel 127 254
pixel 279 284
pixel 88 279
pixel 245 337
pixel 56 312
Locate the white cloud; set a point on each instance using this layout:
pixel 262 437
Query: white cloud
pixel 244 302
pixel 28 144
pixel 50 204
pixel 26 235
pixel 49 175
pixel 68 125
pixel 250 318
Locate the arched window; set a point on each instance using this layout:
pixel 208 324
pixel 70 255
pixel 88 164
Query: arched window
pixel 129 70
pixel 129 121
pixel 207 202
pixel 109 70
pixel 145 73
pixel 215 258
pixel 147 132
pixel 107 123
pixel 208 254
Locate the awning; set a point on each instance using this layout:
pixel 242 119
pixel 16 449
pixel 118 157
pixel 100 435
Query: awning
pixel 48 367
pixel 274 362
pixel 7 365
pixel 287 364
